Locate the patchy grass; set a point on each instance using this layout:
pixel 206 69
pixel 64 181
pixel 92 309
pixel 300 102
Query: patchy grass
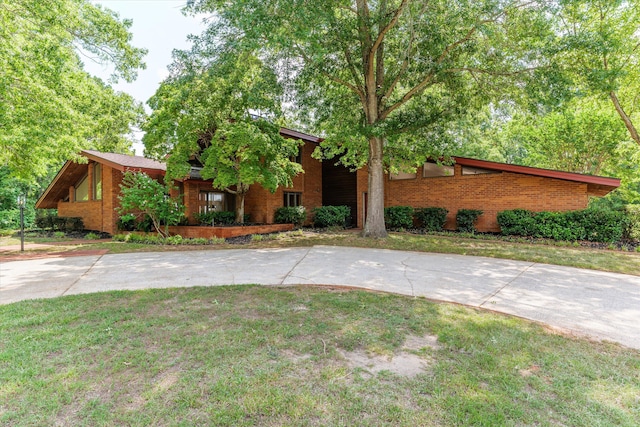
pixel 559 253
pixel 247 356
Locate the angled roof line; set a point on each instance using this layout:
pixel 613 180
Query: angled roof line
pixel 123 162
pixel 547 173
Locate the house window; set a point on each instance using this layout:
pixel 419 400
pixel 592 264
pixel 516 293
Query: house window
pixel 292 199
pixel 297 158
pixel 402 175
pixel 431 170
pixel 467 170
pixel 97 181
pixel 211 201
pixel 82 190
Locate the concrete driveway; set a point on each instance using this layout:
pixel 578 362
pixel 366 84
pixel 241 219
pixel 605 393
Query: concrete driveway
pixel 598 304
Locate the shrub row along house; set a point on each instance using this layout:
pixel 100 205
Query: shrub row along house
pixel 90 190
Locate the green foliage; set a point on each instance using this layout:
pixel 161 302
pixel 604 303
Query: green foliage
pixel 205 112
pixel 595 225
pixel 171 240
pixel 91 236
pixel 431 219
pixel 141 194
pixel 331 216
pixel 633 215
pixel 52 108
pixel 44 218
pixel 174 240
pixel 466 219
pixel 295 215
pixel 218 217
pixel 126 222
pixel 398 217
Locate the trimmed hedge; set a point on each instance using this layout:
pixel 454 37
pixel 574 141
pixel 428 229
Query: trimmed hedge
pixel 331 216
pixel 60 223
pixel 431 219
pixel 218 217
pixel 396 217
pixel 466 219
pixel 594 225
pixel 295 215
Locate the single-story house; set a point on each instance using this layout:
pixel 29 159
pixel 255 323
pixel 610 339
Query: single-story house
pixel 90 190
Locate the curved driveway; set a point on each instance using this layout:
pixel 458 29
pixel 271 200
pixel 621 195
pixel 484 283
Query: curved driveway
pixel 599 304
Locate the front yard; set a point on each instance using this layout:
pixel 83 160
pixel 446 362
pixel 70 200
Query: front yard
pixel 247 356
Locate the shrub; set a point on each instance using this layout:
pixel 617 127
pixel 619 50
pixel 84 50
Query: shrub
pixel 431 219
pixel 396 217
pixel 126 222
pixel 146 224
pixel 74 224
pixel 119 237
pixel 58 234
pixel 174 240
pixel 466 219
pixel 91 236
pixel 595 225
pixel 295 215
pixel 218 217
pixel 44 218
pixel 633 225
pixel 331 216
pixel 196 241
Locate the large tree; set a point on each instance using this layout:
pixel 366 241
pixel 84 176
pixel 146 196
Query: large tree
pixel 601 48
pixel 50 108
pixel 205 113
pixel 382 79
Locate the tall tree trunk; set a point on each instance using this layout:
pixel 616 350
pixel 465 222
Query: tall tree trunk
pixel 374 223
pixel 625 118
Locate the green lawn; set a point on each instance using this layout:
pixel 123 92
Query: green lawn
pixel 246 356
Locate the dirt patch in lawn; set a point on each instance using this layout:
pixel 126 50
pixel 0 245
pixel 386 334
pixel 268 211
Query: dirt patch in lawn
pixel 404 363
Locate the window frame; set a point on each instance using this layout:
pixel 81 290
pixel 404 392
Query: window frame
pixel 289 195
pixel 97 181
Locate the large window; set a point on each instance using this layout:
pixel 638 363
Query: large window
pixel 431 170
pixel 297 158
pixel 211 201
pixel 82 190
pixel 97 181
pixel 292 199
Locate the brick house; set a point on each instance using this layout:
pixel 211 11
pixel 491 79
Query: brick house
pixel 90 190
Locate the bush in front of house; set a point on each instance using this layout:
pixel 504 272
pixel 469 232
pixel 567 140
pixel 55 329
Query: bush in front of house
pixel 431 219
pixel 171 240
pixel 596 225
pixel 215 217
pixel 331 216
pixel 466 220
pixel 295 215
pixel 398 217
pixel 633 226
pixel 50 220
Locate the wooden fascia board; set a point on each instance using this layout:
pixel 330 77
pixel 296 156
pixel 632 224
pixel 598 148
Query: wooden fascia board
pixel 53 183
pixel 106 162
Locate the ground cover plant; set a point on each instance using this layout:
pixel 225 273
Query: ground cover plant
pixel 247 356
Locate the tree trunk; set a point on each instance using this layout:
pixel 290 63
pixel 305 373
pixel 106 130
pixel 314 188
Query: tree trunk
pixel 374 223
pixel 240 207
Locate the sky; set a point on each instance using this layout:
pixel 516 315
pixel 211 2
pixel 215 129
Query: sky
pixel 160 27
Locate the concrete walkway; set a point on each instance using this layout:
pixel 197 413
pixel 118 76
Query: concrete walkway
pixel 598 304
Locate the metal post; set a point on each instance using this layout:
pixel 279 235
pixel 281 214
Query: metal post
pixel 21 202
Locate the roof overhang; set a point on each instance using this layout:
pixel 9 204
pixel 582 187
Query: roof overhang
pixel 596 185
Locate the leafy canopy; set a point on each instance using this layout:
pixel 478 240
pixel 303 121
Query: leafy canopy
pixel 50 108
pixel 203 114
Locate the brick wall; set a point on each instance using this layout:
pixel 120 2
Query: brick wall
pixel 491 193
pixel 262 204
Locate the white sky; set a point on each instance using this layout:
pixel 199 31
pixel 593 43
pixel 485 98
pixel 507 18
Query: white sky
pixel 160 27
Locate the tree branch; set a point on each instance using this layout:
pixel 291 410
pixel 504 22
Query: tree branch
pixel 625 118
